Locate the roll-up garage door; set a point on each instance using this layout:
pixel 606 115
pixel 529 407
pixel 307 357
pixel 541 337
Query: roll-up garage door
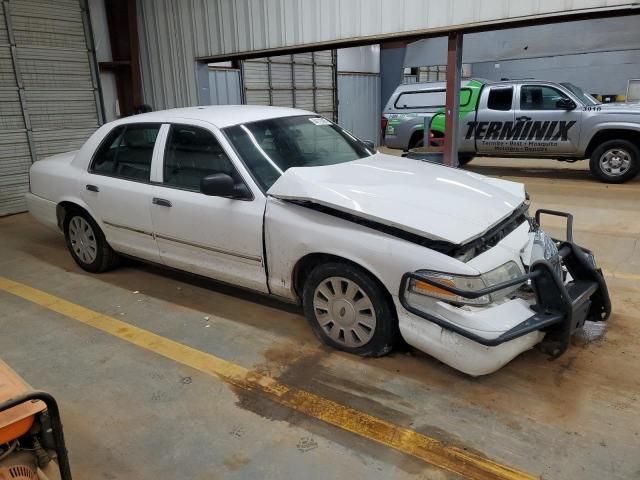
pixel 303 80
pixel 48 89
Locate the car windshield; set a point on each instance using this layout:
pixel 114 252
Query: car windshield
pixel 270 147
pixel 581 94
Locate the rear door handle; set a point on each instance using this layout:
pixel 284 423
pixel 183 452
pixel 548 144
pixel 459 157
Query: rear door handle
pixel 523 118
pixel 161 201
pixel 92 188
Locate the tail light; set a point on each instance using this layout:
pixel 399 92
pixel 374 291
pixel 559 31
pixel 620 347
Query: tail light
pixel 383 124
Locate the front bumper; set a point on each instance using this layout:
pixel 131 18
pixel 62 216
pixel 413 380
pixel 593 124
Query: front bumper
pixel 558 311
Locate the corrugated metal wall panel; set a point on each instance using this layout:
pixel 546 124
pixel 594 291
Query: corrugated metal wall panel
pixel 224 87
pixel 284 82
pixel 57 89
pixel 359 108
pixel 173 33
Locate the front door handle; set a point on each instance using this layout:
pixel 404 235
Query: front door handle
pixel 161 201
pixel 92 188
pixel 523 118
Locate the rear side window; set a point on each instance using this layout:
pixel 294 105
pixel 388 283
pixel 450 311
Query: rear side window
pixel 126 152
pixel 500 98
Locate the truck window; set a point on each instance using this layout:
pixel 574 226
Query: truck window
pixel 429 99
pixel 500 98
pixel 539 97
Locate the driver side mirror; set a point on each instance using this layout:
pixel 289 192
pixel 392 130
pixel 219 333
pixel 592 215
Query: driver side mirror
pixel 566 104
pixel 222 185
pixel 369 144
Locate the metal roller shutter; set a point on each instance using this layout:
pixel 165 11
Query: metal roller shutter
pixel 302 80
pixel 50 102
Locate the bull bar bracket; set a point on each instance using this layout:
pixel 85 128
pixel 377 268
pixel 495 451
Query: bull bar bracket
pixel 560 309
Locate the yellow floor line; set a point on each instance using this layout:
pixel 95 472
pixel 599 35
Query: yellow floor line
pixel 407 441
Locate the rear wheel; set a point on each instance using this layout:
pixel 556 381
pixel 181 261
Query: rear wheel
pixel 349 310
pixel 87 244
pixel 615 161
pixel 464 159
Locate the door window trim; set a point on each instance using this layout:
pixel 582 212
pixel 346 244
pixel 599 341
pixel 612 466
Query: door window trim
pixel 159 181
pixel 500 87
pixel 103 141
pixel 553 87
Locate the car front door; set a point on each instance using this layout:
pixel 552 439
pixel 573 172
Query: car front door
pixel 494 123
pixel 117 188
pixel 552 126
pixel 219 237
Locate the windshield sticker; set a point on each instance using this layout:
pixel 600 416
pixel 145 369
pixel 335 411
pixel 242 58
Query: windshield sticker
pixel 319 121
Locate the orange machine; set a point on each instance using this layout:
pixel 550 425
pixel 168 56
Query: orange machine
pixel 31 439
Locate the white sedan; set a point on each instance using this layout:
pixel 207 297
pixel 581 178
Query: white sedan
pixel 285 202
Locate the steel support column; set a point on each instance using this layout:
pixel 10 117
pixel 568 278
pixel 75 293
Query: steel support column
pixel 452 108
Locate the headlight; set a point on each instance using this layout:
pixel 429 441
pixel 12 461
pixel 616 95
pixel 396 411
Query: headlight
pixel 501 274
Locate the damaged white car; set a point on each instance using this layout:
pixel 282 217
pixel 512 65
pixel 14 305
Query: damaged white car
pixel 285 202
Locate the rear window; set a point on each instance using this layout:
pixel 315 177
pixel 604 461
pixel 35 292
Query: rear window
pixel 500 98
pixel 433 99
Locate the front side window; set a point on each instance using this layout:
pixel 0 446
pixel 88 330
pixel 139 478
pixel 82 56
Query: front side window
pixel 126 152
pixel 500 98
pixel 540 97
pixel 191 154
pixel 270 147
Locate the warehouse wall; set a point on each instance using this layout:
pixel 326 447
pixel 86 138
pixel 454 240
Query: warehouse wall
pixel 50 102
pixel 173 33
pixel 359 107
pixel 599 73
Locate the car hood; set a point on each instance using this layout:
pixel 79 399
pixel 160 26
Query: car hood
pixel 423 198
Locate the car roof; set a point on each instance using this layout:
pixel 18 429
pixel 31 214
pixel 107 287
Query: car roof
pixel 219 115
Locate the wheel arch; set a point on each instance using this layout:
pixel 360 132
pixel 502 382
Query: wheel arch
pixel 607 134
pixel 66 205
pixel 308 262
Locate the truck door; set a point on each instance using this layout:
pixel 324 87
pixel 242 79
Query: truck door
pixel 492 125
pixel 551 120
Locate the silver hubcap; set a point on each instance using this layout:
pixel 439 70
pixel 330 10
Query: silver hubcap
pixel 615 161
pixel 83 240
pixel 344 311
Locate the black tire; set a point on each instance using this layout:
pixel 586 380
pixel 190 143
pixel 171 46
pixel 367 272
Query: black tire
pixel 626 148
pixel 417 140
pixel 464 159
pixel 385 333
pixel 105 257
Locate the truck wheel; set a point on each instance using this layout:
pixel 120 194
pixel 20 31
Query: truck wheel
pixel 87 244
pixel 349 310
pixel 615 161
pixel 417 140
pixel 464 159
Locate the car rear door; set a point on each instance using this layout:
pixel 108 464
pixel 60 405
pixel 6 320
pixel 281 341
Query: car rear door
pixel 213 236
pixel 495 118
pixel 118 190
pixel 549 128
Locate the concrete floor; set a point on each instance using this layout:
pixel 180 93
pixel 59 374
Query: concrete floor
pixel 129 413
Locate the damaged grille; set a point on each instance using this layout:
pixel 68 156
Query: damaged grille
pixel 463 252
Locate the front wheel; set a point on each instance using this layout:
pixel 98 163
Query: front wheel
pixel 615 161
pixel 349 310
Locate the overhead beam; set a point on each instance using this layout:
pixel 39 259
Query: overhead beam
pixel 452 107
pixel 412 36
